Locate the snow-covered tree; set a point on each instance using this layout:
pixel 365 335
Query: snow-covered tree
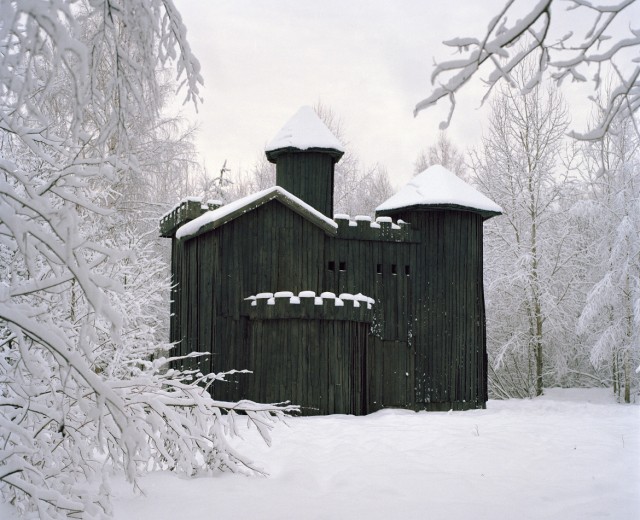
pixel 610 320
pixel 571 39
pixel 526 251
pixel 80 394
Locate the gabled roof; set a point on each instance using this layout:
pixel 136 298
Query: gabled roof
pixel 305 131
pixel 228 212
pixel 438 188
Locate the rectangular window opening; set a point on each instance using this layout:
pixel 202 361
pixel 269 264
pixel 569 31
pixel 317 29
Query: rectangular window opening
pixel 332 265
pixel 394 269
pixel 379 268
pixel 407 270
pixel 343 266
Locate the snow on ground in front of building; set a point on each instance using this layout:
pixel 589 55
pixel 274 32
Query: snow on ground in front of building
pixel 572 454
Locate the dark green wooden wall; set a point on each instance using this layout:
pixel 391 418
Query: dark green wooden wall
pixel 425 346
pixel 447 302
pixel 308 176
pixel 375 262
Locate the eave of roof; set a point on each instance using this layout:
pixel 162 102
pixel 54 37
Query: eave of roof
pixel 485 214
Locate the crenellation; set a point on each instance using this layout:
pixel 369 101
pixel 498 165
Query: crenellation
pixel 363 227
pixel 308 305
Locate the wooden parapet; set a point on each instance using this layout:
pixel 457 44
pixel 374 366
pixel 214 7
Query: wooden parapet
pixel 382 229
pixel 186 210
pixel 356 308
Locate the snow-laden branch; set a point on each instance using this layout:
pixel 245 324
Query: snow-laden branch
pixel 83 389
pixel 507 43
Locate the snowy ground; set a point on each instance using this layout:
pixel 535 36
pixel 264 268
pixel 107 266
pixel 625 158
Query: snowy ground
pixel 573 454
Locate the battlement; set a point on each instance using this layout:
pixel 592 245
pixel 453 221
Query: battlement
pixel 307 305
pixel 186 210
pixel 363 227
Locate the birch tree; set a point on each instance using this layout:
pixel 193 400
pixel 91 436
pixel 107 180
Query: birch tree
pixel 517 166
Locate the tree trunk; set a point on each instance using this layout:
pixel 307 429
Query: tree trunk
pixel 629 342
pixel 539 382
pixel 627 379
pixel 614 374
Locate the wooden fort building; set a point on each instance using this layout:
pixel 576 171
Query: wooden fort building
pixel 335 314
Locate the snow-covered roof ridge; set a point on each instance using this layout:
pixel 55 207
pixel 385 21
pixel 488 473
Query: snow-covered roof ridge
pixel 228 212
pixel 303 131
pixel 437 186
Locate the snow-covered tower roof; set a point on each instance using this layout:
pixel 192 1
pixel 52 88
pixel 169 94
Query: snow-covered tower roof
pixel 305 152
pixel 438 188
pixel 305 131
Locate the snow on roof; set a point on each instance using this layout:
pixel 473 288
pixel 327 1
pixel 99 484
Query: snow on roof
pixel 303 131
pixel 226 213
pixel 437 186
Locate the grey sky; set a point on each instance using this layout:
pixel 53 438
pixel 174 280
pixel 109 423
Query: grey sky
pixel 368 60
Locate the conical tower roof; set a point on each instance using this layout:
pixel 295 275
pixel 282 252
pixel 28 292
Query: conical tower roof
pixel 438 188
pixel 305 131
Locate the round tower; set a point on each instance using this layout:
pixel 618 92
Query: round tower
pixel 305 153
pixel 447 298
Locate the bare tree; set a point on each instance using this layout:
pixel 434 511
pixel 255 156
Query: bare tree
pixel 261 176
pixel 356 185
pixel 507 43
pixel 445 153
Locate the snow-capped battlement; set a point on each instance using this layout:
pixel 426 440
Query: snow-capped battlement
pixel 309 305
pixel 363 227
pixel 184 211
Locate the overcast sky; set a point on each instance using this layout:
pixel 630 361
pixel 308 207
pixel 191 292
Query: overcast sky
pixel 368 60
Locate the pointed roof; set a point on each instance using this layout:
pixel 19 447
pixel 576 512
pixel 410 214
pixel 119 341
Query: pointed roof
pixel 224 214
pixel 437 187
pixel 305 131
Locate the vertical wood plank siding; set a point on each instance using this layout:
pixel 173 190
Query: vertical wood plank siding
pixel 308 176
pixel 422 346
pixel 448 310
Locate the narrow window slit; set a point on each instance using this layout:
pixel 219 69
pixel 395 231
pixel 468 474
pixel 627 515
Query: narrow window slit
pixel 379 268
pixel 407 270
pixel 343 266
pixel 394 269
